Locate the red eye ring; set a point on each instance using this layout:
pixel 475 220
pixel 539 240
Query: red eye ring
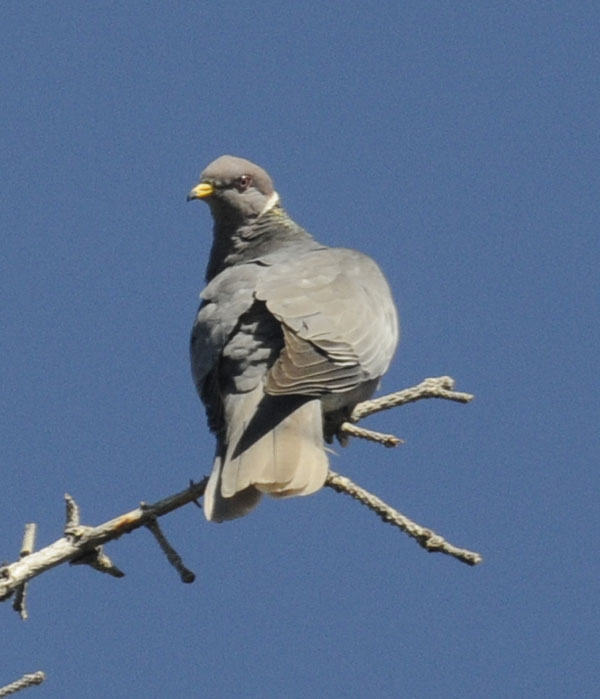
pixel 244 181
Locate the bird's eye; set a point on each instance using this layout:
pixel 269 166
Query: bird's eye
pixel 244 181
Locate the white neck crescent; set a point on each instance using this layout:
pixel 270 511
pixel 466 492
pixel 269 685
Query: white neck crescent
pixel 271 201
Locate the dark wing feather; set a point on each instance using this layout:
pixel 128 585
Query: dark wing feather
pixel 338 318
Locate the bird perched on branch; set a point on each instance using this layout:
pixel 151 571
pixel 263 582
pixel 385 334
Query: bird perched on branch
pixel 289 337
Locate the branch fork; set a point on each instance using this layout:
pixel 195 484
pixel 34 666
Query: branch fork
pixel 83 545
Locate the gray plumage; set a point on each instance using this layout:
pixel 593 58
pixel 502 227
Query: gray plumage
pixel 290 335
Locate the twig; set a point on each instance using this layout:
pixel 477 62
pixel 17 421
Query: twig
pixel 77 544
pixel 83 544
pixel 440 387
pixel 96 558
pixel 173 557
pixel 73 513
pixel 28 539
pixel 26 548
pixel 426 538
pixel 25 681
pixel 387 440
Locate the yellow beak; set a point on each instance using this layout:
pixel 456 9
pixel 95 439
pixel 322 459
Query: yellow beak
pixel 201 191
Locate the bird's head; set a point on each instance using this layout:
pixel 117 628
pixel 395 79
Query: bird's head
pixel 235 189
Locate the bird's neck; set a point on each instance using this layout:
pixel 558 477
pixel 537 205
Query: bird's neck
pixel 238 242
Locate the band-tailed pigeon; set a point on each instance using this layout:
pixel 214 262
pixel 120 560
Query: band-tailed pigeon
pixel 289 337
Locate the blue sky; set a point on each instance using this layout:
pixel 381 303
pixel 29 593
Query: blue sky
pixel 455 143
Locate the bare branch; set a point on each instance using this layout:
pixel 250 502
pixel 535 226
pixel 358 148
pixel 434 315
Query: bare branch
pixel 73 514
pixel 426 538
pixel 83 544
pixel 25 681
pixel 96 558
pixel 348 429
pixel 28 539
pixel 85 539
pixel 26 548
pixel 173 557
pixel 440 387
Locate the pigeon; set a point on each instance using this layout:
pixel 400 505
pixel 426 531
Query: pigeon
pixel 289 337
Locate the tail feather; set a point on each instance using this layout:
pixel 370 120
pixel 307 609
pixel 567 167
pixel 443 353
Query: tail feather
pixel 274 445
pixel 299 464
pixel 217 508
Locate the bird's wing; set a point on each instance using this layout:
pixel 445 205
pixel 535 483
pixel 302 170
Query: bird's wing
pixel 226 298
pixel 338 319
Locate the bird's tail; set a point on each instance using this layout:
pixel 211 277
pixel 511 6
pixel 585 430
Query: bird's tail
pixel 274 445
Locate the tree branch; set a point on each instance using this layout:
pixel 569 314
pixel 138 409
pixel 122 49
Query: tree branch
pixel 22 683
pixel 83 544
pixel 79 541
pixel 426 538
pixel 440 387
pixel 26 548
